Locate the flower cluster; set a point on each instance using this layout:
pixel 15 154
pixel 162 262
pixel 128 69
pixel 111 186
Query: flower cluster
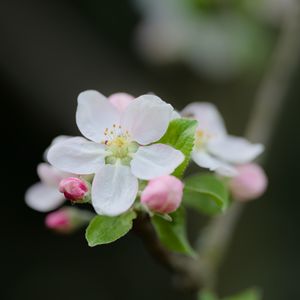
pixel 128 159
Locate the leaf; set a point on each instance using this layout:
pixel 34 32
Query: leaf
pixel 206 193
pixel 181 135
pixel 104 229
pixel 173 234
pixel 207 295
pixel 250 294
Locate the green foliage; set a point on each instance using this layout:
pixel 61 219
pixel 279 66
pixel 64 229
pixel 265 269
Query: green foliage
pixel 206 193
pixel 250 294
pixel 181 136
pixel 207 295
pixel 104 229
pixel 172 234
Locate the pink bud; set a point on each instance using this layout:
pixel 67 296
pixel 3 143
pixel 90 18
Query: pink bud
pixel 250 183
pixel 74 189
pixel 120 100
pixel 59 220
pixel 163 194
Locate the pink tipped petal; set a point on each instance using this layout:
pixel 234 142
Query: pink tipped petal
pixel 235 150
pixel 50 175
pixel 114 190
pixel 250 183
pixel 155 160
pixel 163 194
pixel 43 198
pixel 120 100
pixel 204 160
pixel 208 117
pixel 77 155
pixel 147 119
pixel 94 114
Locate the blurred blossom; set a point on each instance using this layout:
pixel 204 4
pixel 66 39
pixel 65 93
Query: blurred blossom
pixel 44 196
pixel 163 194
pixel 250 183
pixel 217 43
pixel 214 148
pixel 67 219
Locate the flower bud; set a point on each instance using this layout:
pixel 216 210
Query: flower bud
pixel 250 183
pixel 67 219
pixel 74 189
pixel 120 100
pixel 163 194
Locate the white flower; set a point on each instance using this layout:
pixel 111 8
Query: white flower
pixel 44 196
pixel 117 153
pixel 214 148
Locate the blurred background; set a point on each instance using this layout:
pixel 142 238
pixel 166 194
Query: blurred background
pixel 181 50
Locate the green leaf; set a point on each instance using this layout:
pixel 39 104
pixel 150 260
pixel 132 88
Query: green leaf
pixel 250 294
pixel 173 234
pixel 181 136
pixel 206 193
pixel 104 230
pixel 207 295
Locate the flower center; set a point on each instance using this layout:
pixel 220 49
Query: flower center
pixel 201 139
pixel 119 146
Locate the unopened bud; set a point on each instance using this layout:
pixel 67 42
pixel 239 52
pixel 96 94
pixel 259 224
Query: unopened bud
pixel 250 183
pixel 67 219
pixel 163 194
pixel 74 189
pixel 120 100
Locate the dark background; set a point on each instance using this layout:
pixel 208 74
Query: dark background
pixel 52 50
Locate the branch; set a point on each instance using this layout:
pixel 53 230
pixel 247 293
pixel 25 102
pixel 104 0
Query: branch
pixel 268 104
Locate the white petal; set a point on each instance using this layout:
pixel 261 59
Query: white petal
pixel 94 114
pixel 235 150
pixel 77 155
pixel 56 140
pixel 204 160
pixel 175 115
pixel 114 190
pixel 147 118
pixel 208 117
pixel 50 175
pixel 155 160
pixel 43 198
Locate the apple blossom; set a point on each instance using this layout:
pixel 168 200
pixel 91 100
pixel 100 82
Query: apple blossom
pixel 214 148
pixel 250 183
pixel 120 148
pixel 75 189
pixel 163 194
pixel 44 196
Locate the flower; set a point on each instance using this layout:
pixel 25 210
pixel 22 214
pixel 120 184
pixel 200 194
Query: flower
pixel 163 194
pixel 250 183
pixel 67 219
pixel 120 150
pixel 74 189
pixel 214 148
pixel 44 196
